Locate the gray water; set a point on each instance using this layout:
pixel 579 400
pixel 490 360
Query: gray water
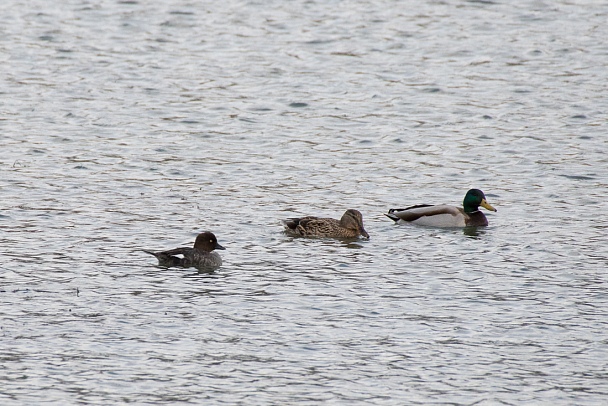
pixel 129 125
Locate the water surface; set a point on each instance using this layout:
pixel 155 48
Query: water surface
pixel 127 125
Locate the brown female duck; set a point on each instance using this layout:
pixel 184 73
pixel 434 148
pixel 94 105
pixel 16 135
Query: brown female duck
pixel 349 226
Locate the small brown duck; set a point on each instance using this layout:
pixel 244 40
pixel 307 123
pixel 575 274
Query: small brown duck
pixel 445 215
pixel 201 256
pixel 349 226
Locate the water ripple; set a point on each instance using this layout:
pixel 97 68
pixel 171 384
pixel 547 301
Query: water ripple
pixel 132 125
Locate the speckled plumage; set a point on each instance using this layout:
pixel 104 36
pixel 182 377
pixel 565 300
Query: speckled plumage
pixel 445 215
pixel 201 256
pixel 349 226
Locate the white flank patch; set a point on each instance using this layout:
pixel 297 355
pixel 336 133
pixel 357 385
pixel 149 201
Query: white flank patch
pixel 439 220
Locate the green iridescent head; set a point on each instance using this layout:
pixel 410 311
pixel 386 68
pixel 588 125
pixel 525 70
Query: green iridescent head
pixel 475 198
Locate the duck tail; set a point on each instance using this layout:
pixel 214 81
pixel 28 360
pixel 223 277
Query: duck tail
pixel 150 252
pixel 292 223
pixel 391 216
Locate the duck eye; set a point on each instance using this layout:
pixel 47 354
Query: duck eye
pixel 210 240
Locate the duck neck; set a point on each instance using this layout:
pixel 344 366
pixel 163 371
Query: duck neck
pixel 468 208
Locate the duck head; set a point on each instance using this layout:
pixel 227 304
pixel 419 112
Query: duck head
pixel 207 242
pixel 475 198
pixel 352 219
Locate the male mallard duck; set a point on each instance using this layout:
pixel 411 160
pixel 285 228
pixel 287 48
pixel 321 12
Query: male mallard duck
pixel 349 226
pixel 200 256
pixel 445 215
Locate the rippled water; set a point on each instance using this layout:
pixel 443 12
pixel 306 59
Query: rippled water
pixel 129 124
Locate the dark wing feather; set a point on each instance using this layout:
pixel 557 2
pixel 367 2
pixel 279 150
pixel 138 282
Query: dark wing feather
pixel 168 258
pixel 414 213
pixel 403 213
pixel 293 223
pixel 411 207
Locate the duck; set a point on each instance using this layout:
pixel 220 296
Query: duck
pixel 349 226
pixel 445 215
pixel 201 256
